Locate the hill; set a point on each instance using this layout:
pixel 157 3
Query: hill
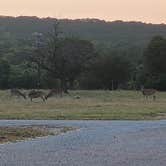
pixel 117 34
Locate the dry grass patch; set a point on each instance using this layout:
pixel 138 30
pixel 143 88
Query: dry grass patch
pixel 13 134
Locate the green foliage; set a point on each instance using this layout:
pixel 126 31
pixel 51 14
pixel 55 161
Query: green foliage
pixel 65 59
pixel 155 63
pixel 108 72
pixel 22 78
pixel 4 73
pixel 155 56
pixel 117 34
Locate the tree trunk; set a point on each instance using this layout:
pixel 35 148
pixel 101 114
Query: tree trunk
pixel 71 82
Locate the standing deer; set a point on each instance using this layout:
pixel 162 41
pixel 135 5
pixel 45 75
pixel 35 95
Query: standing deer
pixel 149 92
pixel 36 94
pixel 16 92
pixel 54 92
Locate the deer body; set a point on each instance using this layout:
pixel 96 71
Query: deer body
pixel 54 92
pixel 36 94
pixel 149 92
pixel 16 92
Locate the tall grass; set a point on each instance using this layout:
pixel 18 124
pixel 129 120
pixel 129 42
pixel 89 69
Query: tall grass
pixel 100 105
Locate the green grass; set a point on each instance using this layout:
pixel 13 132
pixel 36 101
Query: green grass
pixel 92 105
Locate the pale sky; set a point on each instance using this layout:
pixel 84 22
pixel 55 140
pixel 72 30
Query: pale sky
pixel 153 11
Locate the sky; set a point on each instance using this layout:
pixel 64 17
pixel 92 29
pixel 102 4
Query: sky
pixel 150 11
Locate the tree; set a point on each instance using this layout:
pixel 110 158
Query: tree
pixel 63 58
pixel 75 55
pixel 108 71
pixel 155 56
pixel 155 63
pixel 4 74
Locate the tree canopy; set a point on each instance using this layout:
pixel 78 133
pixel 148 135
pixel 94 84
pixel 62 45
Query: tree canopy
pixel 155 62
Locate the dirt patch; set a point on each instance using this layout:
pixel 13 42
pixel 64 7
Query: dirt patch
pixel 14 134
pixel 160 116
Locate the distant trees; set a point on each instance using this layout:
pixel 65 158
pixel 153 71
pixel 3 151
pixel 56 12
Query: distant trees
pixel 22 77
pixel 108 72
pixel 4 74
pixel 60 61
pixel 155 63
pixel 155 56
pixel 75 56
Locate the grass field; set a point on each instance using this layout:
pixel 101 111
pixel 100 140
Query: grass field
pixel 92 105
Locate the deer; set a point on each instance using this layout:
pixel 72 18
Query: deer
pixel 36 94
pixel 54 92
pixel 149 92
pixel 16 92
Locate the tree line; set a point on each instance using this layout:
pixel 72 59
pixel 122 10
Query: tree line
pixel 52 60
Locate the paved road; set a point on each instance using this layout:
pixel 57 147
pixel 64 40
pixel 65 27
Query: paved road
pixel 96 143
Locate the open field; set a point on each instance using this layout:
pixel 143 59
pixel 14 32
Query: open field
pixel 100 105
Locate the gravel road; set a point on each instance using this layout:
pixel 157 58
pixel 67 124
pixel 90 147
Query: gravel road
pixel 95 143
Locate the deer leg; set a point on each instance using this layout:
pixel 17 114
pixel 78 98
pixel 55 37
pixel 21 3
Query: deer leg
pixel 24 97
pixel 43 98
pixel 146 97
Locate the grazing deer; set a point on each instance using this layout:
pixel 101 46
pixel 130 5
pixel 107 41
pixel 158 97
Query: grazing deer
pixel 36 94
pixel 16 92
pixel 54 92
pixel 149 92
